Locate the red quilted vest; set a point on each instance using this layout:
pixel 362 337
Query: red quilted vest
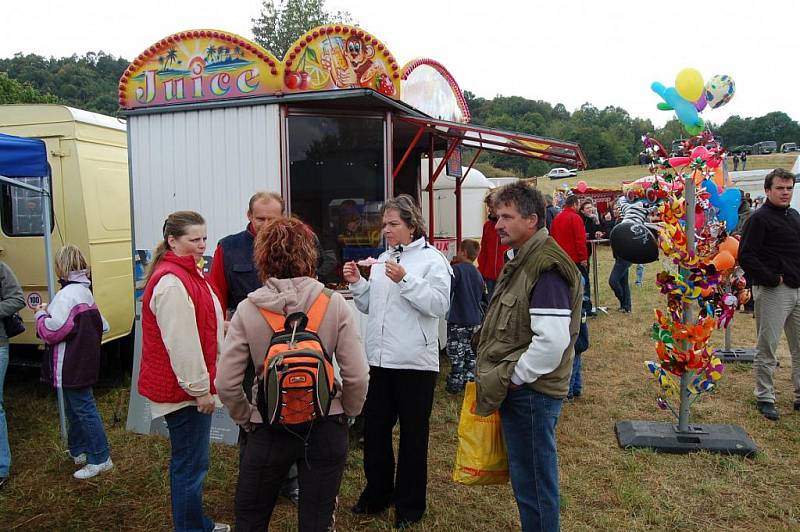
pixel 157 381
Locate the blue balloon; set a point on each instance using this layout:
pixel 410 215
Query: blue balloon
pixel 727 204
pixel 684 110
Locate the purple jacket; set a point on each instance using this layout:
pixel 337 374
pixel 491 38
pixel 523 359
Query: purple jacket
pixel 72 328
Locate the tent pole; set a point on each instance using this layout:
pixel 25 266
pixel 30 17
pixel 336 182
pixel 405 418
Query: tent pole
pixel 51 282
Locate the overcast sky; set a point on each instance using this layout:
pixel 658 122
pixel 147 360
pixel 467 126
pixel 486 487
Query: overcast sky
pixel 567 51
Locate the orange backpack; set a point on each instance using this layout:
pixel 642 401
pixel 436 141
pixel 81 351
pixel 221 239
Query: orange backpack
pixel 296 383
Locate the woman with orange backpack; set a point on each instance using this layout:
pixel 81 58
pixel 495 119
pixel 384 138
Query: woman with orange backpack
pixel 292 330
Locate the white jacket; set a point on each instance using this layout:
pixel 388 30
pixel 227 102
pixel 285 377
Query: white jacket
pixel 403 321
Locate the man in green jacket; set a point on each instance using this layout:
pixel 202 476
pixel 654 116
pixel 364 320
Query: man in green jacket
pixel 525 351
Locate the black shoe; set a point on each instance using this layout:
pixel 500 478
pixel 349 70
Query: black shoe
pixel 768 410
pixel 4 481
pixel 797 406
pixel 366 509
pixel 401 523
pixel 293 494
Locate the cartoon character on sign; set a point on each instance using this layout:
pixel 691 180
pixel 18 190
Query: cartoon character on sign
pixel 354 67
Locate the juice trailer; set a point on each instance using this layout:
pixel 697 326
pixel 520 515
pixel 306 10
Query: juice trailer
pixel 336 127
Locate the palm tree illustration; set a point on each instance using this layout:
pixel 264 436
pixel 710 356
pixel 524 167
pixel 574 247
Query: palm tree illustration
pixel 161 61
pixel 210 51
pixel 172 55
pixel 224 51
pixel 237 52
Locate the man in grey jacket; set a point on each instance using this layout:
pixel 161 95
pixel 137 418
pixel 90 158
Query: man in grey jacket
pixel 11 301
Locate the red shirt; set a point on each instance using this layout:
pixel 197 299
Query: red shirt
pixel 491 255
pixel 569 232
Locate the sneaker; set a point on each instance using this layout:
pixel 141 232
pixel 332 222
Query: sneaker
pixel 80 459
pixel 768 410
pixel 92 470
pixel 222 527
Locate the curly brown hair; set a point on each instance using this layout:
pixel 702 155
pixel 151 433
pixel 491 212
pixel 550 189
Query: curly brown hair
pixel 285 248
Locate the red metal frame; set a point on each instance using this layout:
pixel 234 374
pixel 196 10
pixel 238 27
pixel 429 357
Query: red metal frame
pixel 516 145
pixel 411 146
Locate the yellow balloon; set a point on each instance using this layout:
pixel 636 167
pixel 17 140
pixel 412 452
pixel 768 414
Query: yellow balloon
pixel 689 84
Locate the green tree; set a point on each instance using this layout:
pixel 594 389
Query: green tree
pixel 12 91
pixel 281 23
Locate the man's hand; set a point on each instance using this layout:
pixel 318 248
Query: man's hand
pixel 585 264
pixel 225 325
pixel 350 272
pixel 394 271
pixel 780 280
pixel 206 404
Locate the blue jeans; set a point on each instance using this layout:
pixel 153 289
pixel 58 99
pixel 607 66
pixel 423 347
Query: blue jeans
pixel 190 438
pixel 5 450
pixel 639 274
pixel 529 427
pixel 618 281
pixel 588 308
pixel 85 433
pixel 490 284
pixel 576 382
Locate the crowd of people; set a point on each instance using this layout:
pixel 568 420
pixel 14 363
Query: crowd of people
pixel 517 326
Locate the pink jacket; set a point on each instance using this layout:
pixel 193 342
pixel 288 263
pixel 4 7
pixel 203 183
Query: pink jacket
pixel 249 336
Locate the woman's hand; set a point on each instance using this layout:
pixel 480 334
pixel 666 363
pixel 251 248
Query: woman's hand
pixel 42 307
pixel 350 272
pixel 206 404
pixel 394 271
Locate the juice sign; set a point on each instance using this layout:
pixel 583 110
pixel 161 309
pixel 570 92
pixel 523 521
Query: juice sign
pixel 199 65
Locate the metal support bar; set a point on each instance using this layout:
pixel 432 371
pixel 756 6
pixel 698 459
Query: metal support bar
pixel 688 318
pixel 411 146
pixel 430 190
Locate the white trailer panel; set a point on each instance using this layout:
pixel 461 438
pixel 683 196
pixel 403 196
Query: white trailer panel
pixel 209 160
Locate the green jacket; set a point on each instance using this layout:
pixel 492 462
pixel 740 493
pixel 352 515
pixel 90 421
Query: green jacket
pixel 506 331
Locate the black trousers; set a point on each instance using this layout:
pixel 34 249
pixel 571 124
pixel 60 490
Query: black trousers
pixel 406 395
pixel 268 455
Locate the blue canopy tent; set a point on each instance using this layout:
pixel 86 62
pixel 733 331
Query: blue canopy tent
pixel 24 157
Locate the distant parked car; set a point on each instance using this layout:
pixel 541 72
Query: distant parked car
pixel 788 146
pixel 559 173
pixel 765 147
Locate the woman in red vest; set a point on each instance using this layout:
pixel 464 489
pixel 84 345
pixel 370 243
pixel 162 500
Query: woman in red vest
pixel 182 330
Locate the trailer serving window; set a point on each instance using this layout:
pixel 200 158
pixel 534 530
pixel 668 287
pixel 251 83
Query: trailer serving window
pixel 21 211
pixel 336 185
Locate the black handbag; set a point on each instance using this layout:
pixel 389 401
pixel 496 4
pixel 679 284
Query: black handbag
pixel 14 325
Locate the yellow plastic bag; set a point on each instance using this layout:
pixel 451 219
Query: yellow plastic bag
pixel 481 457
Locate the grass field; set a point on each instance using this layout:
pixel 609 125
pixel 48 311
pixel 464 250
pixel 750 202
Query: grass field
pixel 602 486
pixel 613 177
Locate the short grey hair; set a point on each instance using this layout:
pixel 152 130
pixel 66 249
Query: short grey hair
pixel 526 199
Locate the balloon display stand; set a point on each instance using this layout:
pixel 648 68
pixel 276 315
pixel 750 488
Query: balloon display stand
pixel 666 438
pixel 735 354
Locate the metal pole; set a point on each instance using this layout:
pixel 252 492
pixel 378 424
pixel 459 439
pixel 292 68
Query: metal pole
pixel 431 225
pixel 689 195
pixel 728 335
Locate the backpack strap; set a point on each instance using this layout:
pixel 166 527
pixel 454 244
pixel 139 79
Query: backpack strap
pixel 276 321
pixel 317 310
pixel 315 313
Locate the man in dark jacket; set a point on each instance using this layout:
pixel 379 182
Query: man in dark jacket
pixel 770 256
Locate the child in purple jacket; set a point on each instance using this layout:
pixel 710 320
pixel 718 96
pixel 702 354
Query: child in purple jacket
pixel 72 328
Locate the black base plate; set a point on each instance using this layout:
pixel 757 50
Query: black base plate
pixel 665 438
pixel 736 354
